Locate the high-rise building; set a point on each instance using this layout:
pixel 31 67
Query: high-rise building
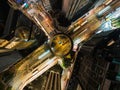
pixel 47 5
pixel 71 7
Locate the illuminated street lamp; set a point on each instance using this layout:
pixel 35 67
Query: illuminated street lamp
pixel 48 55
pixel 35 11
